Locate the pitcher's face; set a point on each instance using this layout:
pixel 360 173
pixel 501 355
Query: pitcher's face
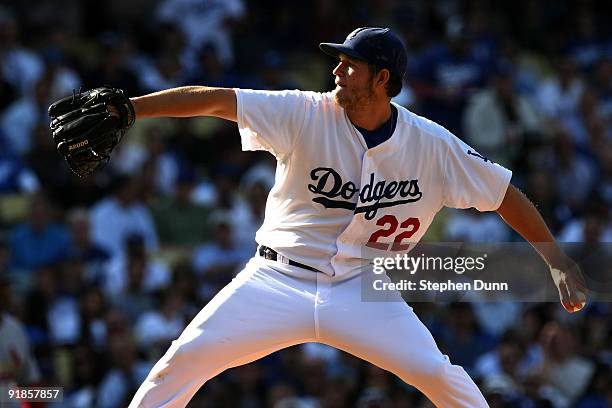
pixel 354 83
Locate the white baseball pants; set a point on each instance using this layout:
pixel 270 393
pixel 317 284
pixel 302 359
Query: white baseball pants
pixel 263 310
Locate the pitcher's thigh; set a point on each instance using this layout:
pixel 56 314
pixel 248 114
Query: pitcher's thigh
pixel 388 335
pixel 251 317
pixel 391 336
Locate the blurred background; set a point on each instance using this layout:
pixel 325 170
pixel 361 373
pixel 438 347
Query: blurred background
pixel 98 276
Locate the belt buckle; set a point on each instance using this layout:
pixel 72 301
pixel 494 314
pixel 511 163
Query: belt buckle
pixel 269 254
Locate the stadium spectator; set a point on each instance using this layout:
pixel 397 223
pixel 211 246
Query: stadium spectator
pixel 121 215
pixel 40 240
pixel 247 213
pixel 558 95
pixel 134 271
pixel 155 329
pixel 21 67
pixel 114 64
pixel 18 365
pixel 462 338
pixel 497 119
pixel 446 75
pixel 204 22
pixel 561 366
pixel 82 248
pixel 15 177
pixel 19 120
pixel 571 169
pixel 126 372
pixel 217 261
pixel 180 221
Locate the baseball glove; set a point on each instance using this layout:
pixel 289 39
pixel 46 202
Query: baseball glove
pixel 87 126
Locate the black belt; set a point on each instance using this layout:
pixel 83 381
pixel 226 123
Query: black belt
pixel 269 253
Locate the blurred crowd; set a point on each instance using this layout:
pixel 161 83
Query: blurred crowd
pixel 98 276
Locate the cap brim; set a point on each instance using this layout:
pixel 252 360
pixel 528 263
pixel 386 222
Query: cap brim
pixel 336 49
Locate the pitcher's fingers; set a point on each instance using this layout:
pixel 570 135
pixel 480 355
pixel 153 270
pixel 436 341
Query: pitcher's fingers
pixel 565 296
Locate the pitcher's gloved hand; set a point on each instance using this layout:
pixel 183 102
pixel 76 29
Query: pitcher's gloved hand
pixel 87 126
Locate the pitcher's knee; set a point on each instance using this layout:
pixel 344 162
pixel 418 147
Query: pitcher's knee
pixel 183 353
pixel 204 351
pixel 429 372
pixel 173 374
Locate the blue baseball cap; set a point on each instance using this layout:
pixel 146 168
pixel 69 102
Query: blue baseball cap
pixel 378 46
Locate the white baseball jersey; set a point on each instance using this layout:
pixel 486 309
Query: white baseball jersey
pixel 336 203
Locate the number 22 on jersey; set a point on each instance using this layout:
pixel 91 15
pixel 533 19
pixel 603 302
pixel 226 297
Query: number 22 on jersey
pixel 390 224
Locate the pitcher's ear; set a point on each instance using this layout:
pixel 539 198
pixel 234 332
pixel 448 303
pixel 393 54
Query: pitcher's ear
pixel 384 76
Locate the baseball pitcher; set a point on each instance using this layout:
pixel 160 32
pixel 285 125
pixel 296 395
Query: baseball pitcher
pixel 354 171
